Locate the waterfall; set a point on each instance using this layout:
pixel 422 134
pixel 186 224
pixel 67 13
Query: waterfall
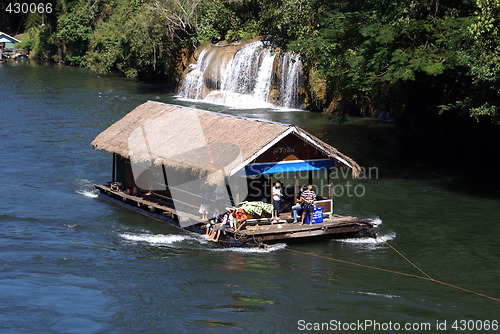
pixel 264 76
pixel 245 76
pixel 239 76
pixel 290 79
pixel 192 86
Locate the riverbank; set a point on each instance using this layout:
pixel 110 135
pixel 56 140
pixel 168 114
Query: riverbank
pixel 359 60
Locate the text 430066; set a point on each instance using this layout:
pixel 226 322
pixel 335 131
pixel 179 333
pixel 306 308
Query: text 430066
pixel 29 7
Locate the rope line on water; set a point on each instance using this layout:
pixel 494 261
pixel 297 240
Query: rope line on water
pixel 395 272
pixel 356 264
pixel 427 278
pixel 404 257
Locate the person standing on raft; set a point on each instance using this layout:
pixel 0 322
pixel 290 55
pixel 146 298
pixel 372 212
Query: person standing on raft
pixel 308 198
pixel 276 200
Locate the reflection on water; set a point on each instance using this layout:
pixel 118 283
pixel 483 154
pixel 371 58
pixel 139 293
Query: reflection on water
pixel 70 261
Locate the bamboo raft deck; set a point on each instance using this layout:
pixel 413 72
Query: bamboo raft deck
pixel 334 227
pixel 146 204
pixel 255 231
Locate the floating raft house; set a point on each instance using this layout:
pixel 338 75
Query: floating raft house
pixel 175 146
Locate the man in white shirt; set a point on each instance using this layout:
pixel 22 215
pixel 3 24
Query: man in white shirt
pixel 276 200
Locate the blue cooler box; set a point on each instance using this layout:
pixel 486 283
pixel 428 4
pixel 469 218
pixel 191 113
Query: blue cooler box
pixel 317 215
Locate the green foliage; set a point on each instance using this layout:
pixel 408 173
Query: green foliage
pixel 131 42
pixel 74 30
pixel 40 42
pixel 228 19
pixel 216 21
pixel 289 19
pixel 120 35
pixel 483 60
pixel 368 51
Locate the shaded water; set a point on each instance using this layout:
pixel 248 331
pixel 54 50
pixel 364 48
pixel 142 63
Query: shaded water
pixel 71 263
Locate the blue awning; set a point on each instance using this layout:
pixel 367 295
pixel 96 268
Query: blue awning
pixel 289 166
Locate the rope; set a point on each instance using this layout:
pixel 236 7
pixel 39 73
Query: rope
pixel 395 272
pixel 404 257
pixel 355 264
pixel 432 279
pixel 427 278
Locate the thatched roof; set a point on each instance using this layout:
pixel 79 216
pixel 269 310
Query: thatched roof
pixel 204 142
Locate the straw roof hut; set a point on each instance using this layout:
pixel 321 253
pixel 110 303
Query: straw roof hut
pixel 200 141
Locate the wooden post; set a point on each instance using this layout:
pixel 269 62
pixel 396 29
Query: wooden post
pixel 295 193
pixel 164 176
pixel 228 189
pixel 329 185
pixel 330 191
pixel 113 173
pixel 272 201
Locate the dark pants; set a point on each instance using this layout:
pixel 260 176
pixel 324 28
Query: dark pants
pixel 308 207
pixel 277 205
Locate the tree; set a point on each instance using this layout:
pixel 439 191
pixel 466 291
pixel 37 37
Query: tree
pixel 483 59
pixel 369 51
pixel 179 16
pixel 74 30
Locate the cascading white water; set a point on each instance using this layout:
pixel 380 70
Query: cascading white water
pixel 244 77
pixel 290 80
pixel 192 85
pixel 264 76
pixel 239 76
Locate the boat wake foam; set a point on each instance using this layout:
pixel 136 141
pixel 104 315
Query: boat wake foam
pixel 369 241
pixel 377 294
pixel 85 188
pixel 157 239
pixel 376 221
pixel 171 239
pixel 87 193
pixel 250 250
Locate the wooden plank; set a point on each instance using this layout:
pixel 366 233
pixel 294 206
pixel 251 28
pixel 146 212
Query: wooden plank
pixel 295 228
pixel 145 204
pixel 137 199
pixel 308 234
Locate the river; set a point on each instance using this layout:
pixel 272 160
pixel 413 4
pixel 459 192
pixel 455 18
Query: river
pixel 71 263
